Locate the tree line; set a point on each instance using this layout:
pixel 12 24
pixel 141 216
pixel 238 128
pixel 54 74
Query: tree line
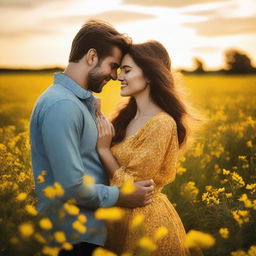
pixel 236 62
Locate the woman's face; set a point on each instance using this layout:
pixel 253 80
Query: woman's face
pixel 131 77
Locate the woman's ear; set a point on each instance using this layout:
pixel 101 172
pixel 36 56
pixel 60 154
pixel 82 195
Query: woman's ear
pixel 92 57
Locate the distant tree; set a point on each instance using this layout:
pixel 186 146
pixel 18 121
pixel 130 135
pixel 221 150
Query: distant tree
pixel 238 62
pixel 199 65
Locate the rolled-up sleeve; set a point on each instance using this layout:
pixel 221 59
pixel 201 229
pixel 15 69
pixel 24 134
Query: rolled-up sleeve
pixel 61 129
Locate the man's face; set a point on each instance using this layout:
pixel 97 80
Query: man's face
pixel 104 71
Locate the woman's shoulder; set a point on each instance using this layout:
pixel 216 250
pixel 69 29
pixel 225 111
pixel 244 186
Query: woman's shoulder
pixel 163 121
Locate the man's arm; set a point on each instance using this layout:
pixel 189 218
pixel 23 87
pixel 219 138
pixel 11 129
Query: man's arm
pixel 61 129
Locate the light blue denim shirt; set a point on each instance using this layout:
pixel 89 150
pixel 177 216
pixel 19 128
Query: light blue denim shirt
pixel 63 137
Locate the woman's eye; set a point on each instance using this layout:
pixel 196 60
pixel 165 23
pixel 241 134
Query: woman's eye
pixel 126 71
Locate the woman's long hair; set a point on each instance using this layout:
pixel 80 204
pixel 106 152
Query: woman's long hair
pixel 155 63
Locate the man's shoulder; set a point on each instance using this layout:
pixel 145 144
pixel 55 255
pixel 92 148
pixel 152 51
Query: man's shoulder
pixel 56 97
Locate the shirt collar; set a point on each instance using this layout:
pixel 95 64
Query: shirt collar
pixel 68 83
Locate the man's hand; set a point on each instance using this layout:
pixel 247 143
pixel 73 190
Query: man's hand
pixel 141 197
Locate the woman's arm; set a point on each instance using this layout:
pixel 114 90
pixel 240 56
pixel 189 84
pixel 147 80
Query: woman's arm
pixel 105 135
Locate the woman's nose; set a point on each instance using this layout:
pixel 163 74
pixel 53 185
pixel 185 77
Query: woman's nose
pixel 120 77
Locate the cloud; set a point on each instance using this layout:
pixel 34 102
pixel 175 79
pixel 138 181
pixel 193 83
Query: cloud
pixel 206 49
pixel 56 25
pixel 23 4
pixel 170 3
pixel 220 26
pixel 113 17
pixel 213 12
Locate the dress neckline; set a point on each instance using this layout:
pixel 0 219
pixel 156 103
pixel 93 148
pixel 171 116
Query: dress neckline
pixel 144 125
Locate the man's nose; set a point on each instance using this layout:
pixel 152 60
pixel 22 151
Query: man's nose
pixel 114 75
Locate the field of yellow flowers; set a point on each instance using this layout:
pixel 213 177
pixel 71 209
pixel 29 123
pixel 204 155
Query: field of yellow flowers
pixel 214 191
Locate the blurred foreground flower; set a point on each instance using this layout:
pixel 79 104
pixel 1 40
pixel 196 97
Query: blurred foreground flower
pixel 111 214
pixel 51 251
pixel 71 209
pixel 103 252
pixel 88 180
pixel 137 220
pixel 31 209
pixel 59 236
pixel 45 223
pixel 22 196
pixel 147 243
pixel 78 226
pixel 196 238
pixel 128 187
pixel 26 229
pixel 160 233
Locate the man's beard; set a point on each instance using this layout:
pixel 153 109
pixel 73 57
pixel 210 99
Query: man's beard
pixel 95 81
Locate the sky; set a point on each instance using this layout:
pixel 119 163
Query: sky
pixel 39 34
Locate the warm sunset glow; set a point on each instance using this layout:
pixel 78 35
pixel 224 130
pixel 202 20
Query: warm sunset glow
pixel 39 33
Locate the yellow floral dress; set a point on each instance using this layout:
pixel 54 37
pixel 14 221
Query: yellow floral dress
pixel 151 153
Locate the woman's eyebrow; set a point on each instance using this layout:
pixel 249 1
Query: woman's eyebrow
pixel 125 66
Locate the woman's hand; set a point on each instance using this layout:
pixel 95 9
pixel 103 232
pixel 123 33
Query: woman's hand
pixel 105 133
pixel 97 105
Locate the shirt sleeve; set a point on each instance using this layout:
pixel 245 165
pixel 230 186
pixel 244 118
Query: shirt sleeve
pixel 155 156
pixel 61 131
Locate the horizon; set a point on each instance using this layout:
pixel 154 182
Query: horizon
pixel 210 26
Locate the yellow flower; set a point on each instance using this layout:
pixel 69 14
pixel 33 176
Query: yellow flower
pixel 77 225
pixel 249 144
pixel 112 214
pixel 26 229
pixel 228 195
pixel 238 179
pixel 31 209
pixel 59 236
pixel 137 220
pixel 82 218
pixel 196 238
pixel 147 243
pixel 51 251
pixel 49 192
pixel 241 216
pixel 22 196
pixel 225 172
pixel 103 252
pixel 44 172
pixel 39 238
pixel 189 190
pixel 45 223
pixel 239 253
pixel 247 202
pixel 128 187
pixel 59 191
pixel 224 233
pixel 40 179
pixel 88 180
pixel 252 251
pixel 67 246
pixel 71 209
pixel 160 233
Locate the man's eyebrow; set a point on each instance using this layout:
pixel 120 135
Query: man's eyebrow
pixel 126 66
pixel 115 65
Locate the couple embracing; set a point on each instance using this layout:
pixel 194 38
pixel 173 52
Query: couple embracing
pixel 70 138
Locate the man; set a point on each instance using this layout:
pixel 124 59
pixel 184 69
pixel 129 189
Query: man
pixel 64 135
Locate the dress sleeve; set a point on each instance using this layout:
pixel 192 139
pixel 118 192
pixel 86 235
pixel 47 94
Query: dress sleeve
pixel 155 154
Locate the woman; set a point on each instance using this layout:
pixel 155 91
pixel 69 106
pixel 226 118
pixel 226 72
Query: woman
pixel 143 143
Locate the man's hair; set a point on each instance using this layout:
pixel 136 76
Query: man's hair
pixel 99 35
